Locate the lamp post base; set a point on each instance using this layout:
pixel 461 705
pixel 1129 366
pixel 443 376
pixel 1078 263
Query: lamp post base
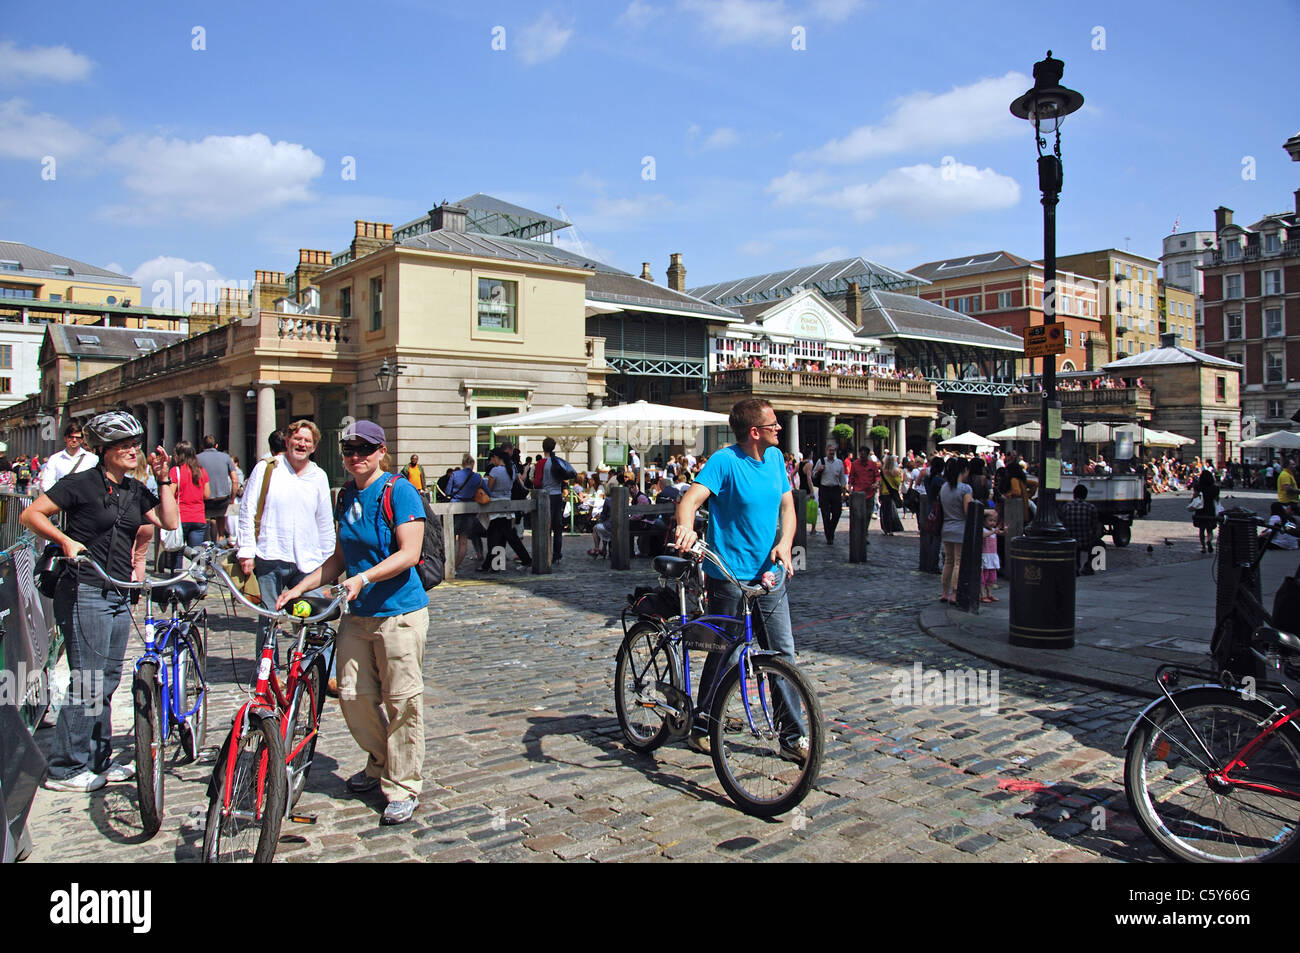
pixel 1042 591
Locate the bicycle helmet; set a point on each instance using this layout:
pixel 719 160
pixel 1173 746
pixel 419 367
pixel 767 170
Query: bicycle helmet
pixel 108 428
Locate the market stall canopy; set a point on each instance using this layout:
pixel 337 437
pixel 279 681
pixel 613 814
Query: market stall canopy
pixel 1031 431
pixel 969 439
pixel 1279 440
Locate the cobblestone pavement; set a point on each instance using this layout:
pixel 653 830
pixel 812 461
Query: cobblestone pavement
pixel 525 761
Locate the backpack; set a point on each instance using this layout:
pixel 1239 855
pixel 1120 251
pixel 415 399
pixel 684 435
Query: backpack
pixel 566 472
pixel 431 568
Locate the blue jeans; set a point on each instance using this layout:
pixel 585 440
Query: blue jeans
pixel 195 535
pixel 273 577
pixel 95 626
pixel 772 630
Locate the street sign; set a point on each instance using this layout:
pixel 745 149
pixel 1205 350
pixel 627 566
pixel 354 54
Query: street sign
pixel 1044 339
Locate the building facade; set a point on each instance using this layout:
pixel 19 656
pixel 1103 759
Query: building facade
pixel 1006 291
pixel 1129 297
pixel 1252 311
pixel 1180 262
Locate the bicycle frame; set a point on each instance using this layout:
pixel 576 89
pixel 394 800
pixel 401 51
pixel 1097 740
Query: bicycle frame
pixel 1242 758
pixel 168 669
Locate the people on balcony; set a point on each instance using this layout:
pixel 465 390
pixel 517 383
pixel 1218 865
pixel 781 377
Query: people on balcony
pixel 821 367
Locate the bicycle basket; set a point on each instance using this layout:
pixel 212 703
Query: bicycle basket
pixel 657 603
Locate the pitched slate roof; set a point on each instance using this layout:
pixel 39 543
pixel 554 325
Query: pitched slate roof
pixel 508 249
pixel 831 279
pixel 969 265
pixel 1163 356
pixel 41 264
pixel 627 291
pixel 887 314
pixel 93 341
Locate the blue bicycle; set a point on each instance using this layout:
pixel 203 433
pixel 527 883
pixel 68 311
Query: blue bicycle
pixel 169 688
pixel 765 724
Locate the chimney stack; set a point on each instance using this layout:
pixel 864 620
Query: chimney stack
pixel 853 304
pixel 1297 202
pixel 1222 218
pixel 676 272
pixel 647 276
pixel 448 218
pixel 370 237
pixel 1169 339
pixel 270 285
pixel 312 263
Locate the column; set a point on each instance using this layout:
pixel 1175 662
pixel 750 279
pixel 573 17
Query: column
pixel 900 443
pixel 265 419
pixel 594 444
pixel 169 423
pixel 235 442
pixel 792 433
pixel 211 415
pixel 187 418
pixel 152 436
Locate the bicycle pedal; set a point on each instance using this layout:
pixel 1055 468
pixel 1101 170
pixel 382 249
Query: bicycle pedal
pixel 302 818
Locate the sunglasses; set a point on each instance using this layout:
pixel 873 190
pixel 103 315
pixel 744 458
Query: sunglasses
pixel 358 449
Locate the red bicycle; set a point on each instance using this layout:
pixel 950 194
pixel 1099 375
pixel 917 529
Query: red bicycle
pixel 250 795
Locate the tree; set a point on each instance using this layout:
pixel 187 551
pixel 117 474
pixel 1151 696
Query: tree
pixel 940 433
pixel 842 434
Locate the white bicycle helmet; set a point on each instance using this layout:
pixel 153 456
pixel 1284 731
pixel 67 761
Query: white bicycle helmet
pixel 109 428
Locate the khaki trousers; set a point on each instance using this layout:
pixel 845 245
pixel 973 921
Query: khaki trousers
pixel 381 692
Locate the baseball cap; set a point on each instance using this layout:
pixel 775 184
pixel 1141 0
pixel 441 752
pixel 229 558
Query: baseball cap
pixel 367 430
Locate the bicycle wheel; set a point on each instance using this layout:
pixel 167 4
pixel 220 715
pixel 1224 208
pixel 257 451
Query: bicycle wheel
pixel 767 736
pixel 1188 817
pixel 150 742
pixel 646 662
pixel 250 830
pixel 192 690
pixel 304 725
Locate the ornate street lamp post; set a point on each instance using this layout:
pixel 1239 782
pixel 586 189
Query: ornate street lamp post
pixel 1043 560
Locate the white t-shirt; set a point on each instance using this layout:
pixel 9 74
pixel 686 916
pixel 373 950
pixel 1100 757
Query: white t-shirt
pixel 60 464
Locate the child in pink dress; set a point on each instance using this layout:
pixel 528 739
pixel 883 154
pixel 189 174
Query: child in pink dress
pixel 989 555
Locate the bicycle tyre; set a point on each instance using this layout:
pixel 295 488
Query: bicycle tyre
pixel 644 660
pixel 303 721
pixel 242 836
pixel 194 729
pixel 757 775
pixel 1172 800
pixel 150 743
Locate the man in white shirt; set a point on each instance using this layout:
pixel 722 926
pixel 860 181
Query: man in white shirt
pixel 830 480
pixel 296 533
pixel 74 458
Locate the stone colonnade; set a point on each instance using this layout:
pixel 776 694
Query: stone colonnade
pixel 793 439
pixel 192 416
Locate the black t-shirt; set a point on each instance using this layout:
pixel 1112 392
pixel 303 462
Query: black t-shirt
pixel 92 505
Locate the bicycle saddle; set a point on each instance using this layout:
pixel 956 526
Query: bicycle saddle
pixel 318 605
pixel 1283 640
pixel 183 592
pixel 671 567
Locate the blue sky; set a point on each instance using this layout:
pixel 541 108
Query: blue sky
pixel 886 135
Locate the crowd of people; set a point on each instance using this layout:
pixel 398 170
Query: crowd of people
pixel 821 367
pixel 1078 383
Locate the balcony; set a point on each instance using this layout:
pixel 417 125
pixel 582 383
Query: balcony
pixel 1130 403
pixel 809 386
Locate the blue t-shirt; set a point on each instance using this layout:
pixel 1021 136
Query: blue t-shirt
pixel 745 509
pixel 366 542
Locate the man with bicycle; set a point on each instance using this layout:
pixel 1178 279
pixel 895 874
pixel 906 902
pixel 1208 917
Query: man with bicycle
pixel 751 528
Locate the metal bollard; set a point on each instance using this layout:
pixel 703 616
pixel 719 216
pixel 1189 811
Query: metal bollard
pixel 858 524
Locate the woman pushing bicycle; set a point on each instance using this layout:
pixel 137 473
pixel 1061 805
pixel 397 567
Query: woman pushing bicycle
pixel 381 639
pixel 103 507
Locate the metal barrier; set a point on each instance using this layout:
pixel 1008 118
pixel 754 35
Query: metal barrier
pixel 12 532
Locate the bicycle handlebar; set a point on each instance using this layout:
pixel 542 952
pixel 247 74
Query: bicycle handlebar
pixel 209 555
pixel 701 552
pixel 81 559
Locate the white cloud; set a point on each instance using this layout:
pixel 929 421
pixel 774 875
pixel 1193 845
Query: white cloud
pixel 833 253
pixel 926 120
pixel 927 191
pixel 28 135
pixel 836 10
pixel 54 63
pixel 218 178
pixel 796 187
pixel 756 247
pixel 638 15
pixel 542 40
pixel 571 242
pixel 721 138
pixel 168 283
pixel 730 22
pixel 886 253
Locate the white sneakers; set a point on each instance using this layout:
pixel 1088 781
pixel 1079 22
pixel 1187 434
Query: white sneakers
pixel 88 780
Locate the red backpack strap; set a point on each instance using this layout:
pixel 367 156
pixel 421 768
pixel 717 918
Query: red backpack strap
pixel 386 506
